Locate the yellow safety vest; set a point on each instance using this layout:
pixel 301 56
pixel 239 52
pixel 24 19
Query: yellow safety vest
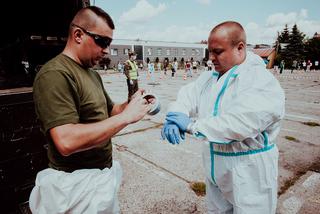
pixel 133 73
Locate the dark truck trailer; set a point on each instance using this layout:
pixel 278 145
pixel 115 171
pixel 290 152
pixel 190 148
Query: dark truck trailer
pixel 33 31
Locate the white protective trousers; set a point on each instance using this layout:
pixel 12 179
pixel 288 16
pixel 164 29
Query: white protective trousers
pixel 84 191
pixel 238 117
pixel 245 184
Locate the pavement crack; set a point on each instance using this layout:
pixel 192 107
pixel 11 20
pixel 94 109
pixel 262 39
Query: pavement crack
pixel 141 130
pixel 152 163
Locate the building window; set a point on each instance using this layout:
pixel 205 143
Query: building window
pixel 175 51
pixel 197 52
pixel 114 52
pixel 193 52
pixel 126 51
pixel 149 50
pixel 168 52
pixel 159 51
pixel 183 52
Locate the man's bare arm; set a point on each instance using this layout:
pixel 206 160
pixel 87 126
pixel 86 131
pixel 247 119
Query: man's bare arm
pixel 72 138
pixel 118 108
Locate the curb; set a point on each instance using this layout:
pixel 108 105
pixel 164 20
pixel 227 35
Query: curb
pixel 302 197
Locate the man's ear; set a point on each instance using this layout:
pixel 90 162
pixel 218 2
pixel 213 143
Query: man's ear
pixel 77 35
pixel 241 46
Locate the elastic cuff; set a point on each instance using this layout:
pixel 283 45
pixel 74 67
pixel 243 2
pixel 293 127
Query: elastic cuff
pixel 191 128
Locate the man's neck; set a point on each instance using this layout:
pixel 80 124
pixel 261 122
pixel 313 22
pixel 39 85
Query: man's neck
pixel 71 55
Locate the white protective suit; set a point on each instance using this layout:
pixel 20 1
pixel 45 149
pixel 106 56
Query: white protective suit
pixel 238 116
pixel 84 191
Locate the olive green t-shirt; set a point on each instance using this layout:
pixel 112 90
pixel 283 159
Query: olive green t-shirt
pixel 64 92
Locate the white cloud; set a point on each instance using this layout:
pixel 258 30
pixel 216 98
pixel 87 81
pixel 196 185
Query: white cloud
pixel 303 13
pixel 141 12
pixel 252 26
pixel 276 23
pixel 253 31
pixel 256 33
pixel 259 34
pixel 282 19
pixel 170 33
pixel 309 27
pixel 204 2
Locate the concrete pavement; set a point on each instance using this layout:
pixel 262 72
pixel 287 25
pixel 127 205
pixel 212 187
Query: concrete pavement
pixel 157 175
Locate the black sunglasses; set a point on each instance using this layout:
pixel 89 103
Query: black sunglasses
pixel 102 41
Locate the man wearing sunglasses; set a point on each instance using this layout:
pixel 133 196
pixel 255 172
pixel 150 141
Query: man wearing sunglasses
pixel 79 119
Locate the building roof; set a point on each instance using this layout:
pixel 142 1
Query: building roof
pixel 263 52
pixel 157 43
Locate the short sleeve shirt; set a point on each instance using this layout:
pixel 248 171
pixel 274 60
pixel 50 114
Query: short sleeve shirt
pixel 64 92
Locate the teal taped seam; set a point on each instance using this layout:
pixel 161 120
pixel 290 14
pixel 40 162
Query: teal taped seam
pixel 266 139
pixel 215 142
pixel 265 142
pixel 212 162
pixel 225 84
pixel 199 134
pixel 244 153
pixel 215 74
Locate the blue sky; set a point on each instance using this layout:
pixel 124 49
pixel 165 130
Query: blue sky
pixel 192 20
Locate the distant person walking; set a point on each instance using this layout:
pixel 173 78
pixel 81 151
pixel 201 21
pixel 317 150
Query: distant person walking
pixel 316 65
pixel 304 65
pixel 309 65
pixel 151 70
pixel 165 66
pixel 281 66
pixel 174 67
pixel 120 67
pixel 159 66
pixel 294 65
pixel 131 72
pixel 189 69
pixel 194 66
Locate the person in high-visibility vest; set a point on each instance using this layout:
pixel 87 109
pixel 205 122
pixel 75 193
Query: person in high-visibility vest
pixel 131 72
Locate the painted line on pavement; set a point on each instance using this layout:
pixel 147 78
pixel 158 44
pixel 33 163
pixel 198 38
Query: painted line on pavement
pixel 301 117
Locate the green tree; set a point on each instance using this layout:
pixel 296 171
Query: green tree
pixel 277 48
pixel 280 45
pixel 284 36
pixel 313 49
pixel 295 49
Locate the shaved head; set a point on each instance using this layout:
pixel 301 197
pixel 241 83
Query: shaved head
pixel 87 17
pixel 233 31
pixel 90 35
pixel 227 45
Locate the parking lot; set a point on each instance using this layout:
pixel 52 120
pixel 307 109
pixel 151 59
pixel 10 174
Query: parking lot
pixel 157 175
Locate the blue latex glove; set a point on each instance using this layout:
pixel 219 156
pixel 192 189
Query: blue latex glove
pixel 180 119
pixel 172 133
